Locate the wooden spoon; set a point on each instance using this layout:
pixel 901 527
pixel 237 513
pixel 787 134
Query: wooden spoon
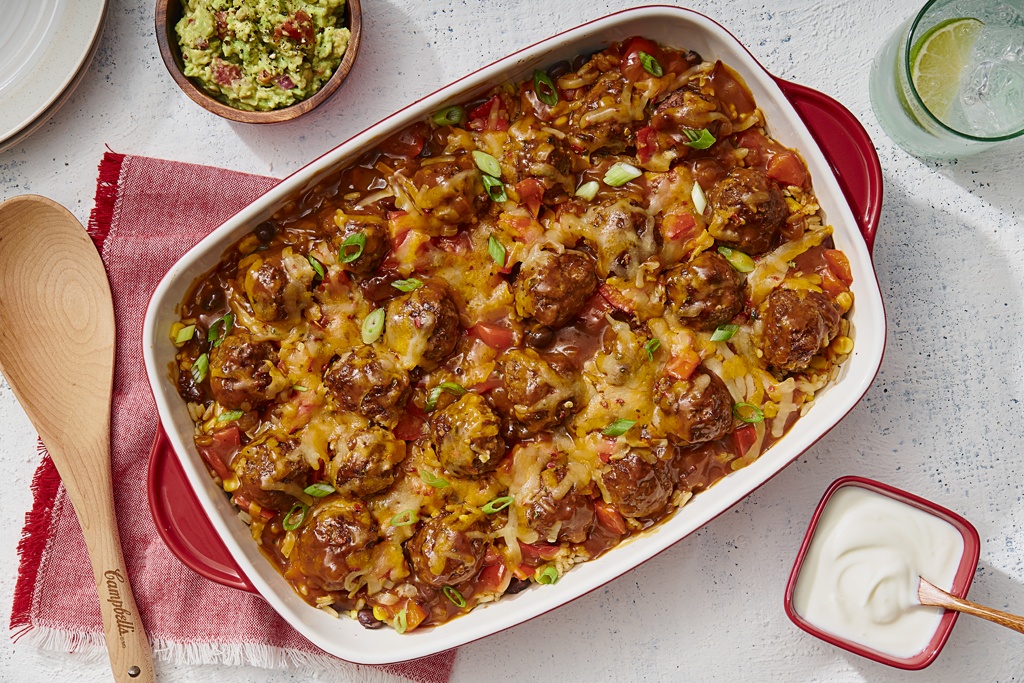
pixel 930 594
pixel 57 353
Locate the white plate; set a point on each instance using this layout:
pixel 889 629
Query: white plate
pixel 45 46
pixel 345 637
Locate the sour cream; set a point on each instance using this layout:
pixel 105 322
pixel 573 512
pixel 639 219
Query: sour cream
pixel 859 578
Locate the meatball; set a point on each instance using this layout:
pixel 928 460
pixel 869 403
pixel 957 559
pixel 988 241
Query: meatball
pixel 335 540
pixel 278 286
pixel 593 129
pixel 797 325
pixel 423 326
pixel 693 410
pixel 706 292
pixel 363 461
pixel 749 211
pixel 467 437
pixel 450 194
pixel 375 243
pixel 689 109
pixel 544 157
pixel 639 484
pixel 369 380
pixel 243 372
pixel 445 551
pixel 623 233
pixel 553 288
pixel 568 518
pixel 541 390
pixel 269 474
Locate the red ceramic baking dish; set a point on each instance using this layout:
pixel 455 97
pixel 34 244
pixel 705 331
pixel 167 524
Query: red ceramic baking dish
pixel 961 582
pixel 201 527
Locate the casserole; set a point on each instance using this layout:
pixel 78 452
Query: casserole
pixel 673 27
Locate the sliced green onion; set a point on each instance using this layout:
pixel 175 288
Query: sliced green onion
pixel 450 116
pixel 588 190
pixel 724 332
pixel 497 505
pixel 495 188
pixel 652 346
pixel 184 334
pixel 700 202
pixel 545 88
pixel 200 367
pixel 453 388
pixel 319 490
pixel 497 250
pixel 699 139
pixel 737 259
pixel 486 163
pixel 290 522
pixel 318 267
pixel 546 575
pixel 618 428
pixel 373 325
pixel 791 264
pixel 405 518
pixel 455 596
pixel 357 240
pixel 621 173
pixel 230 415
pixel 431 479
pixel 407 285
pixel 220 328
pixel 402 621
pixel 651 65
pixel 748 412
pixel 299 387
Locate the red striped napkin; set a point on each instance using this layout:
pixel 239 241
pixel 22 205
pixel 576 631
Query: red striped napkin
pixel 148 213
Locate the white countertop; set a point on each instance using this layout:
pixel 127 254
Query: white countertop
pixel 943 418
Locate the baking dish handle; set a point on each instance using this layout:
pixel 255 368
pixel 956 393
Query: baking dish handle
pixel 848 149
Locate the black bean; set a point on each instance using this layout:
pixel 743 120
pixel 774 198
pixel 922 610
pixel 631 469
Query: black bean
pixel 516 585
pixel 558 69
pixel 539 337
pixel 265 231
pixel 367 619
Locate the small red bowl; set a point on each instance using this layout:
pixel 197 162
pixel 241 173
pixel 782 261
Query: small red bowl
pixel 961 583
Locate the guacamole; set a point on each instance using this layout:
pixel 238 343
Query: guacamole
pixel 262 54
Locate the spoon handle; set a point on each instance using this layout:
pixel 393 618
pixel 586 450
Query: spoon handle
pixel 933 595
pixel 131 658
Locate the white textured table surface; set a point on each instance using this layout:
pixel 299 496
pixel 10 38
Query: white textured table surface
pixel 943 418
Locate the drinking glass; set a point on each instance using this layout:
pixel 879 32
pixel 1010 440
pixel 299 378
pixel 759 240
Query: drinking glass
pixel 989 107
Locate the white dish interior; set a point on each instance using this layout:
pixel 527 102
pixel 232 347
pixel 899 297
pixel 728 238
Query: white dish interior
pixel 345 637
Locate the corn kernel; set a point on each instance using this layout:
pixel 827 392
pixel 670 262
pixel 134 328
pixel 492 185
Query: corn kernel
pixel 842 345
pixel 379 614
pixel 231 484
pixel 845 301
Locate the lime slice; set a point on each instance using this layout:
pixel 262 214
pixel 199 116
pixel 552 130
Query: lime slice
pixel 937 60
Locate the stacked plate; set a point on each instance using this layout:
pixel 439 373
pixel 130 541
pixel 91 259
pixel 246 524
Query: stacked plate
pixel 45 49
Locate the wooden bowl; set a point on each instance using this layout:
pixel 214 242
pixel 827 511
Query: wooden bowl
pixel 168 12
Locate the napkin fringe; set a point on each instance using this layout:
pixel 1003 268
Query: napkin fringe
pixel 91 648
pixel 105 202
pixel 34 538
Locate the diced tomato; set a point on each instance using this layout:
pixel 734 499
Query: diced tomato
pixel 410 427
pixel 757 147
pixel 646 143
pixel 840 265
pixel 630 66
pixel 488 116
pixel 616 298
pixel 609 517
pixel 414 615
pixel 299 27
pixel 787 169
pixel 495 336
pixel 743 438
pixel 219 452
pixel 535 554
pixel 492 382
pixel 492 577
pixel 680 366
pixel 531 193
pixel 224 73
pixel 408 143
pixel 523 571
pixel 678 226
pixel 529 229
